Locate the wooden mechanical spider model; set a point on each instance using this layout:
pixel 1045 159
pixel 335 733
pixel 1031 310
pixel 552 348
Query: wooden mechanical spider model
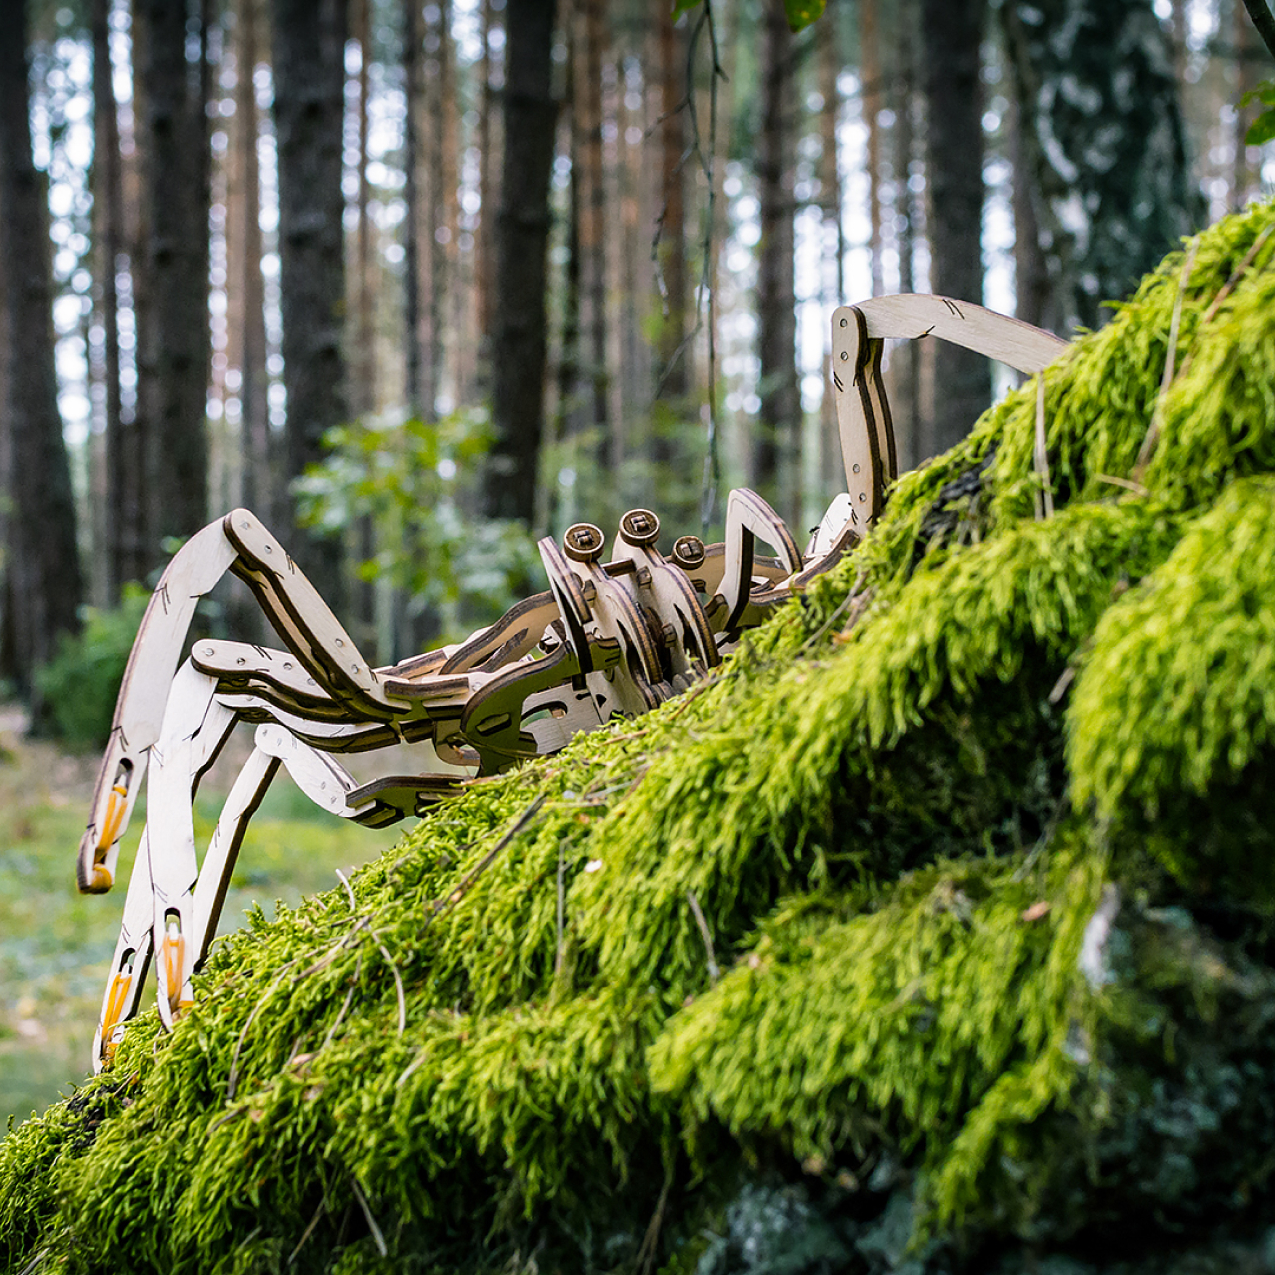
pixel 608 638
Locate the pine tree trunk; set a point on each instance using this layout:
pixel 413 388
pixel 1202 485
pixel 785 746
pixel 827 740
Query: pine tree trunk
pixel 904 363
pixel 779 420
pixel 1102 128
pixel 309 62
pixel 518 382
pixel 673 381
pixel 834 245
pixel 873 83
pixel 174 340
pixel 489 168
pixel 45 582
pixel 953 34
pixel 413 251
pixel 587 119
pixel 137 543
pixel 260 464
pixel 108 208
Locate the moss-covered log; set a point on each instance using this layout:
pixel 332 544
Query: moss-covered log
pixel 932 934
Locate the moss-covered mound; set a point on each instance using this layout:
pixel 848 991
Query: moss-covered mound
pixel 933 934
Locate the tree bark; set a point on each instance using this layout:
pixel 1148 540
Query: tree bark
pixel 518 382
pixel 779 419
pixel 259 462
pixel 309 101
pixel 108 208
pixel 873 83
pixel 590 16
pixel 485 237
pixel 45 582
pixel 904 363
pixel 1102 127
pixel 674 381
pixel 174 345
pixel 413 254
pixel 953 34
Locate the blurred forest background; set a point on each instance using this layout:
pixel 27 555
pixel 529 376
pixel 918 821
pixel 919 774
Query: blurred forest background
pixel 419 283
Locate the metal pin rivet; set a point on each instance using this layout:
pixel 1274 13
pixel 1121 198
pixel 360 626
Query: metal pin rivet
pixel 844 355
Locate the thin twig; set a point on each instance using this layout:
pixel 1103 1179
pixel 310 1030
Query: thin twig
pixel 562 904
pixel 1264 21
pixel 354 907
pixel 485 862
pixel 713 971
pixel 1040 458
pixel 1223 292
pixel 371 1221
pixel 646 1254
pixel 309 1230
pixel 34 1262
pixel 256 1009
pixel 1157 414
pixel 345 1004
pixel 1127 483
pixel 398 983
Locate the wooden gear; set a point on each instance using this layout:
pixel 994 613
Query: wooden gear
pixel 608 638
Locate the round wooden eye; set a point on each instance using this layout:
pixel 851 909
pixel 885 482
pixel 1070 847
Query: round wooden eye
pixel 639 527
pixel 688 552
pixel 583 542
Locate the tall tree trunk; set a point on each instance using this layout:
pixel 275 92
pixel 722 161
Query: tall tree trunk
pixel 1102 127
pixel 363 395
pixel 779 420
pixel 672 368
pixel 44 569
pixel 309 102
pixel 834 244
pixel 587 117
pixel 451 298
pixel 518 383
pixel 873 86
pixel 488 154
pixel 905 364
pixel 953 35
pixel 174 340
pixel 1034 300
pixel 259 463
pixel 137 542
pixel 413 251
pixel 108 208
pixel 363 372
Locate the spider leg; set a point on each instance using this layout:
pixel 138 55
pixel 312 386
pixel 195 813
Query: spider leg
pixel 195 726
pixel 130 962
pixel 143 697
pixel 748 518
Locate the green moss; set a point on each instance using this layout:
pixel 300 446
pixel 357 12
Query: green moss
pixel 1173 715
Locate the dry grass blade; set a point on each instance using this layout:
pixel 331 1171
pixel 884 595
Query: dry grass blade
pixel 1157 414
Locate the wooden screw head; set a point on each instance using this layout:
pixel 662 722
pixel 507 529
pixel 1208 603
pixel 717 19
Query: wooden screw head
pixel 583 542
pixel 639 527
pixel 688 552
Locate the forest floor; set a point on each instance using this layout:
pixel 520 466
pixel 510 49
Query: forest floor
pixel 56 944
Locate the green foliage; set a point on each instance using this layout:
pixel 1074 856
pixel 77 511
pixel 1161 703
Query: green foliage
pixel 81 682
pixel 415 482
pixel 1262 129
pixel 882 905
